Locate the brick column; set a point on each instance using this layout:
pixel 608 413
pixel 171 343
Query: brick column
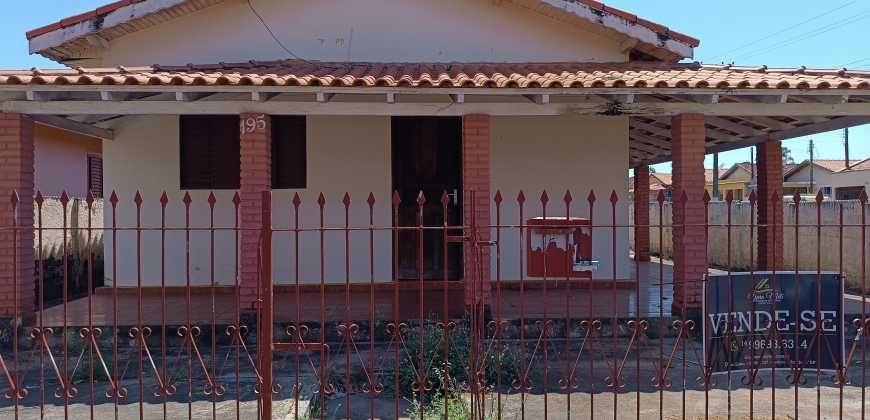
pixel 641 213
pixel 690 240
pixel 770 205
pixel 16 174
pixel 476 178
pixel 256 177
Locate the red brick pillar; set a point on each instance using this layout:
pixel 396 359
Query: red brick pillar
pixel 770 205
pixel 690 239
pixel 256 177
pixel 476 178
pixel 641 213
pixel 16 174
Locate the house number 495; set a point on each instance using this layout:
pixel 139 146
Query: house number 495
pixel 252 124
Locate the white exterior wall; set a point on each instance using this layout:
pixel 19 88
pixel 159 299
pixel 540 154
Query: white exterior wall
pixel 851 179
pixel 352 154
pixel 821 176
pixel 369 30
pixel 559 154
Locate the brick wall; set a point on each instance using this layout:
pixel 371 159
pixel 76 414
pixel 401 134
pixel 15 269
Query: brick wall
pixel 256 177
pixel 16 174
pixel 641 218
pixel 690 252
pixel 476 178
pixel 769 204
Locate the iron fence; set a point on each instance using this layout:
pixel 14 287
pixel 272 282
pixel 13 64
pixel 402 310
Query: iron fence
pixel 525 331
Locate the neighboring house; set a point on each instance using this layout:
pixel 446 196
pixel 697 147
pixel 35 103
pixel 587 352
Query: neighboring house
pixel 738 180
pixel 368 97
pixel 832 177
pixel 657 181
pixel 67 161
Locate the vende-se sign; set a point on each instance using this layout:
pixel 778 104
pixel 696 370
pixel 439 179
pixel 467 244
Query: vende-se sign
pixel 781 319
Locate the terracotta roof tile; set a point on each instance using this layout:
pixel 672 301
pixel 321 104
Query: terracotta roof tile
pixel 861 165
pixel 833 165
pixel 477 75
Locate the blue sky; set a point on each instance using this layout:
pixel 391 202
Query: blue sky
pixel 827 34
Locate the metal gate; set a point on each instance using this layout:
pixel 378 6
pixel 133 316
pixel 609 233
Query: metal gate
pixel 329 330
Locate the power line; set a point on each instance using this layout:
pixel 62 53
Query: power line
pixel 811 34
pixel 757 41
pixel 856 62
pixel 272 34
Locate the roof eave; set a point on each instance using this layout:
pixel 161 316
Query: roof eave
pixel 52 40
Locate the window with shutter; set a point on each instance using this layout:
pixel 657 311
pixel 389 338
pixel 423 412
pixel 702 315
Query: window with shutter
pixel 95 175
pixel 209 152
pixel 289 152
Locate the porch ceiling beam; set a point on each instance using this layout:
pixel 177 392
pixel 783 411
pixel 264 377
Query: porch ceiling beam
pixel 323 97
pixel 771 123
pixel 647 148
pixel 622 98
pixel 67 124
pixel 36 95
pixel 663 145
pixel 729 125
pixel 542 99
pixel 743 110
pixel 834 124
pixel 190 96
pixel 114 96
pixel 258 96
pixel 635 123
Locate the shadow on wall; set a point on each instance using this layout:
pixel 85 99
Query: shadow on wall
pixel 83 245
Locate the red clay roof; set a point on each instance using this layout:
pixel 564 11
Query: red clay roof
pixel 861 165
pixel 456 75
pixel 111 7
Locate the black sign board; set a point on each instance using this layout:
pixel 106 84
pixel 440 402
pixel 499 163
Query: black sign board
pixel 773 319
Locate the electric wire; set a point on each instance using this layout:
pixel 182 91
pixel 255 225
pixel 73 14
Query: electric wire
pixel 272 34
pixel 759 40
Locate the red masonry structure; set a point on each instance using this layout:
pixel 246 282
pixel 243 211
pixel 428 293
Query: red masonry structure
pixel 16 250
pixel 256 177
pixel 770 206
pixel 641 213
pixel 690 238
pixel 476 179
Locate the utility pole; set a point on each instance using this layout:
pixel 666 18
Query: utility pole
pixel 846 145
pixel 811 167
pixel 716 176
pixel 753 183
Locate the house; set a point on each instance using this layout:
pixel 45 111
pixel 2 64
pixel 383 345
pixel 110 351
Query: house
pixel 739 179
pixel 67 161
pixel 340 98
pixel 657 181
pixel 833 177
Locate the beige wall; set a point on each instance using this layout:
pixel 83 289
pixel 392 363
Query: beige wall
pixel 559 154
pixel 364 30
pixel 352 154
pixel 61 161
pixel 810 244
pixel 851 179
pixel 821 177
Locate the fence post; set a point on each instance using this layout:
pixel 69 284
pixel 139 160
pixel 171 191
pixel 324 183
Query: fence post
pixel 264 326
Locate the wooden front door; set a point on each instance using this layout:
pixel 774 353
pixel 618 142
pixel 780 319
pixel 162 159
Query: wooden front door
pixel 427 158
